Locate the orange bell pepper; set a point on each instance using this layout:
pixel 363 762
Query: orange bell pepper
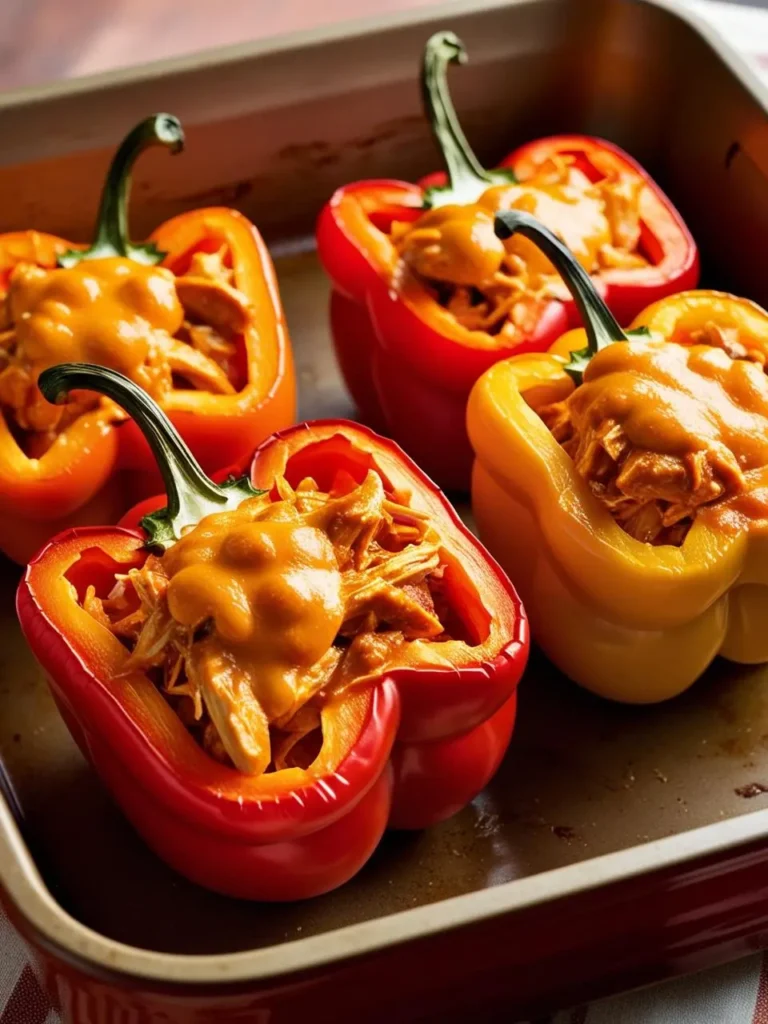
pixel 628 620
pixel 98 463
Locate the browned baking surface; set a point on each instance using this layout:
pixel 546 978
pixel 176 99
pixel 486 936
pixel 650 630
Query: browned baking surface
pixel 583 777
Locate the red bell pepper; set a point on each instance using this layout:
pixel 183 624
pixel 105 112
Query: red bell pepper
pixel 408 362
pixel 101 304
pixel 405 749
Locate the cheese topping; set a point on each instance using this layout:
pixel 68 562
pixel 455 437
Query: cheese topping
pixel 160 330
pixel 256 617
pixel 662 430
pixel 485 282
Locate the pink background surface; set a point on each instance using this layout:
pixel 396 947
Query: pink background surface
pixel 42 40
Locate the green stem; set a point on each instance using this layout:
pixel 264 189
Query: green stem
pixel 191 494
pixel 112 236
pixel 468 178
pixel 600 324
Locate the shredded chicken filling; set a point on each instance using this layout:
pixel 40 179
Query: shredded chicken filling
pixel 161 330
pixel 490 286
pixel 256 618
pixel 663 431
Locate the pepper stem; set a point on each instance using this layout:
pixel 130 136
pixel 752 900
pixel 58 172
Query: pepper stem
pixel 112 236
pixel 191 494
pixel 468 178
pixel 600 324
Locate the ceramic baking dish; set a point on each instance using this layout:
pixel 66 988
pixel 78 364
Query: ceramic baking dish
pixel 616 845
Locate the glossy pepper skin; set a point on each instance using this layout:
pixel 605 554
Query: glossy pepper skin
pixel 98 468
pixel 404 750
pixel 410 365
pixel 630 621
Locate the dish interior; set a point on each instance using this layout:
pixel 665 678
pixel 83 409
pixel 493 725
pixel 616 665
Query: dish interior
pixel 582 777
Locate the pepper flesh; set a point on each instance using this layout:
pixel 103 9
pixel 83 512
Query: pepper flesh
pixel 635 622
pixel 383 317
pixel 299 831
pixel 92 469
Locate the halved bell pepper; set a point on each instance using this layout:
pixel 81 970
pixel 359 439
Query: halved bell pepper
pixel 405 747
pixel 115 303
pixel 408 362
pixel 629 620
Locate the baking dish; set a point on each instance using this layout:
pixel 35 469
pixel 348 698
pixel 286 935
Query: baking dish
pixel 616 845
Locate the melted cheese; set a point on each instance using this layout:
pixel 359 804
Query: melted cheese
pixel 260 615
pixel 271 588
pixel 676 400
pixel 161 331
pixel 106 311
pixel 456 244
pixel 487 284
pixel 663 432
pixel 577 213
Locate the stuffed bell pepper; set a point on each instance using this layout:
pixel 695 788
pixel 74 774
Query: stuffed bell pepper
pixel 270 670
pixel 623 478
pixel 193 316
pixel 426 297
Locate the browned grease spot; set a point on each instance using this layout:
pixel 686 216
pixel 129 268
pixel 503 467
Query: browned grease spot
pixel 228 194
pixel 564 832
pixel 737 746
pixel 752 789
pixel 315 153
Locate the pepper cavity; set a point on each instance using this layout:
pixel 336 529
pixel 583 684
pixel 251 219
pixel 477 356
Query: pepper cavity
pixel 451 247
pixel 112 305
pixel 667 424
pixel 260 607
pixel 257 617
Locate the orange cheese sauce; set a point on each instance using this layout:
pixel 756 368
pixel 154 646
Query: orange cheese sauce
pixel 481 280
pixel 570 206
pixel 271 588
pixel 676 400
pixel 258 617
pixel 160 330
pixel 106 311
pixel 664 431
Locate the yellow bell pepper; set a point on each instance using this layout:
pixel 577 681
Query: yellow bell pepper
pixel 628 620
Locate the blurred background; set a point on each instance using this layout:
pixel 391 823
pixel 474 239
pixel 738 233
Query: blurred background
pixel 45 40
